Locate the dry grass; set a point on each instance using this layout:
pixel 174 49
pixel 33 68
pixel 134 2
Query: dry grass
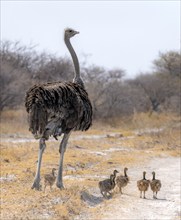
pixel 14 122
pixel 87 160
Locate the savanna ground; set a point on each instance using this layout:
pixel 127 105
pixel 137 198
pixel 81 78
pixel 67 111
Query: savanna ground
pixel 143 143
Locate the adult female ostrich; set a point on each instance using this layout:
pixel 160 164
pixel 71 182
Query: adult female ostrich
pixel 57 108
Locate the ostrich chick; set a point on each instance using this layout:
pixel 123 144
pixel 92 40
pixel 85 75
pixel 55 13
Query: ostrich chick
pixel 143 185
pixel 49 179
pixel 155 185
pixel 107 185
pixel 122 181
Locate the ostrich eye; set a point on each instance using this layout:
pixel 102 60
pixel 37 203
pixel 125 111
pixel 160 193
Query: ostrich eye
pixel 70 31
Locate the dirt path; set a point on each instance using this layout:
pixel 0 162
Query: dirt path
pixel 130 206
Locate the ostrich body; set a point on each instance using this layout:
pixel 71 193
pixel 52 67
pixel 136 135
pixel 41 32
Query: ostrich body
pixel 155 186
pixel 57 108
pixel 122 181
pixel 143 185
pixel 107 185
pixel 49 179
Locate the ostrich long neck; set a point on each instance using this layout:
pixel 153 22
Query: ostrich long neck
pixel 75 60
pixel 125 174
pixel 153 176
pixel 144 174
pixel 112 177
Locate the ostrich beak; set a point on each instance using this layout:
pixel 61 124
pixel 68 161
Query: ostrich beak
pixel 77 32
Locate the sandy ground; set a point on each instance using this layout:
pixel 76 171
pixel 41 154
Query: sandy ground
pixel 130 206
pixel 126 206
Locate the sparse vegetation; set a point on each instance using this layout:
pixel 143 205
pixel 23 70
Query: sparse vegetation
pixel 90 156
pixel 134 121
pixel 156 91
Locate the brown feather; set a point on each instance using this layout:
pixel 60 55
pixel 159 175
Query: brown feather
pixel 57 105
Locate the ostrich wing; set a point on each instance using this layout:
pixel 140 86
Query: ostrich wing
pixel 58 105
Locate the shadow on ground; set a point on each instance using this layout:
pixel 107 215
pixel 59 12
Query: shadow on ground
pixel 91 199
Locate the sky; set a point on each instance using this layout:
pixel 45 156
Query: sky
pixel 113 34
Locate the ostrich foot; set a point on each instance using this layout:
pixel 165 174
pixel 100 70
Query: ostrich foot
pixel 36 185
pixel 60 185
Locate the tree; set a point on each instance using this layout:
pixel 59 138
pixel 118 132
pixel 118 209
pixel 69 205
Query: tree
pixel 15 73
pixel 169 63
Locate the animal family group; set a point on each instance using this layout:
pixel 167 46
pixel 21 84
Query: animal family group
pixel 107 185
pixel 58 108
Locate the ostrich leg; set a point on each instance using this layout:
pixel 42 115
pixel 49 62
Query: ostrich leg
pixel 42 147
pixel 62 149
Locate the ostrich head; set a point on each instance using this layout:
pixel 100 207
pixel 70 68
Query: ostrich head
pixel 115 171
pixel 125 169
pixel 69 32
pixel 153 173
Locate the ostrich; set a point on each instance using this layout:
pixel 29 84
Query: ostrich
pixel 143 185
pixel 107 185
pixel 57 108
pixel 155 185
pixel 122 181
pixel 49 179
